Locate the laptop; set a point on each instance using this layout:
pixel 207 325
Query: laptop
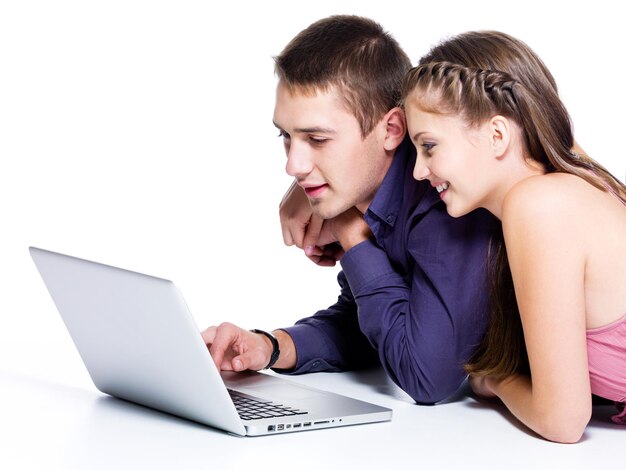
pixel 140 343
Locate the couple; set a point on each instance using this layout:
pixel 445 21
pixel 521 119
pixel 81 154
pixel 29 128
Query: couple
pixel 524 287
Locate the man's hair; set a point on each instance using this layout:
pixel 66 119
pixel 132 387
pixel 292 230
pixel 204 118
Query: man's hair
pixel 355 55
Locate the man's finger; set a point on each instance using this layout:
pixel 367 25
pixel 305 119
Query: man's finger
pixel 312 232
pixel 208 335
pixel 224 338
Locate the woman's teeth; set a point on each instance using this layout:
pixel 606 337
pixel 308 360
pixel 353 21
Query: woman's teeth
pixel 442 187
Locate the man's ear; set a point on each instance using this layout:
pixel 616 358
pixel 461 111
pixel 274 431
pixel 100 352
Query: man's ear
pixel 395 128
pixel 499 130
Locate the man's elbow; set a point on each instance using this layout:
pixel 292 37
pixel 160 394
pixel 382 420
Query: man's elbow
pixel 431 394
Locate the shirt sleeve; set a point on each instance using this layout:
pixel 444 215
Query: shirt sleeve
pixel 331 339
pixel 425 323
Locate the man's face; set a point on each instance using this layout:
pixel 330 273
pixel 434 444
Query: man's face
pixel 326 154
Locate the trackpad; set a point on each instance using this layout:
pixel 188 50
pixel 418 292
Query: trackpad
pixel 266 386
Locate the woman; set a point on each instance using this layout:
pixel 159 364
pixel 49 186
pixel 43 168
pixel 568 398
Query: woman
pixel 490 131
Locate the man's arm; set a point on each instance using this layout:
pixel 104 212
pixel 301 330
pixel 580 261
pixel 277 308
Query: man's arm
pixel 331 339
pixel 328 341
pixel 426 323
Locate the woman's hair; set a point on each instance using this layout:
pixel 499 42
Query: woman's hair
pixel 352 53
pixel 477 75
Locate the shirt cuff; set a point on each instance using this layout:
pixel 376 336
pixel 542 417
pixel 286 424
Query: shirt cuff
pixel 310 347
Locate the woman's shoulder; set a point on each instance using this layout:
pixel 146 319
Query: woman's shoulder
pixel 554 198
pixel 548 189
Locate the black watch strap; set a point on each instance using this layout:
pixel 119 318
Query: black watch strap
pixel 275 348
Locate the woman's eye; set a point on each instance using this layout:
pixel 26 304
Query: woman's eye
pixel 428 146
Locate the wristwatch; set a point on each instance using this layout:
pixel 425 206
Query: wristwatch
pixel 275 348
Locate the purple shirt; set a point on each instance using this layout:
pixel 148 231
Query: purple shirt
pixel 414 299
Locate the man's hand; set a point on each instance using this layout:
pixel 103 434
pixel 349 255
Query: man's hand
pixel 321 244
pixel 295 216
pixel 301 227
pixel 233 348
pixel 349 228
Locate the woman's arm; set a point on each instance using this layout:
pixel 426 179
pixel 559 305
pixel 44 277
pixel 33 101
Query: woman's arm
pixel 546 250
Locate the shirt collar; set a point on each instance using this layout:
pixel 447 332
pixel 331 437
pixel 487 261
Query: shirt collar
pixel 398 184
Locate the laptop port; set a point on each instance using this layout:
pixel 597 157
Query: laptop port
pixel 297 425
pixel 280 427
pixel 271 428
pixel 306 425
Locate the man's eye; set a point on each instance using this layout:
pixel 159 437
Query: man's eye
pixel 283 134
pixel 318 140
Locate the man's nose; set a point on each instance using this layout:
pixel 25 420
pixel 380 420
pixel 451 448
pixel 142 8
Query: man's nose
pixel 299 161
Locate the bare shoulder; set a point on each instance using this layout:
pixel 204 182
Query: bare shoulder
pixel 552 197
pixel 553 187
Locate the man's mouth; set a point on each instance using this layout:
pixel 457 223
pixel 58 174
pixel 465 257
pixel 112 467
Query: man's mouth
pixel 314 191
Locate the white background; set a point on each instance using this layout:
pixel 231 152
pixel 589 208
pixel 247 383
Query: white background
pixel 139 134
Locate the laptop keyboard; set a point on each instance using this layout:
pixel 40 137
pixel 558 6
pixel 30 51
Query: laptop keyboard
pixel 250 408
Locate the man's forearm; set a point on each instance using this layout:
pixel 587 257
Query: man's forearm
pixel 329 340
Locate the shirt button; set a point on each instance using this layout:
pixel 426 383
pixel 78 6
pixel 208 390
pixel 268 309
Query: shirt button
pixel 389 219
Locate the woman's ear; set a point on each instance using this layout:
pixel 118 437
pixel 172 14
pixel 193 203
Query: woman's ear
pixel 395 128
pixel 499 129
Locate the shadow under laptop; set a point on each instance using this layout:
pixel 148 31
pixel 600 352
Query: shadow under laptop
pixel 114 433
pixel 73 427
pixel 106 407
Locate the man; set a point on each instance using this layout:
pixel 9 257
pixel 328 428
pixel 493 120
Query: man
pixel 413 280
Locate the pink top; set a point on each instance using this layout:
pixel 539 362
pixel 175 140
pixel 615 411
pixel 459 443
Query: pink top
pixel 606 351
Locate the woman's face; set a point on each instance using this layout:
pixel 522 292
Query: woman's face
pixel 453 156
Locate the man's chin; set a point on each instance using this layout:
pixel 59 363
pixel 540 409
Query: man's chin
pixel 325 212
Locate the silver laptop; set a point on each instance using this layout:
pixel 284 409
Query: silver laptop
pixel 140 343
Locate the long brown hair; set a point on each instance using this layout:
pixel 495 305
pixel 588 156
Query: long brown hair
pixel 477 75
